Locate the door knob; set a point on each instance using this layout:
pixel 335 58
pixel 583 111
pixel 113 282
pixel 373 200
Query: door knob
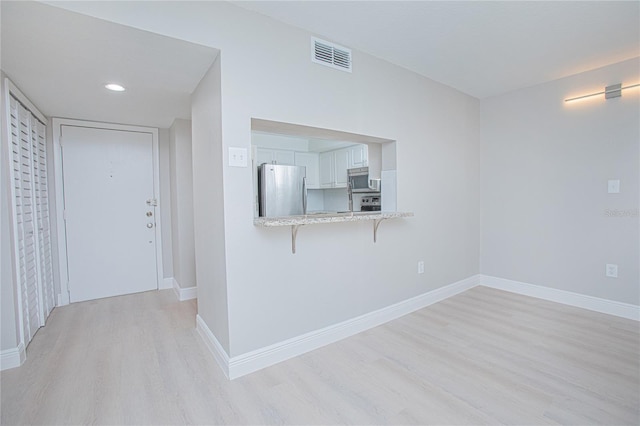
pixel 149 225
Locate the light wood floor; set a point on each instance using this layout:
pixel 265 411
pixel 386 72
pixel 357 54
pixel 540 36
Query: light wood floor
pixel 482 357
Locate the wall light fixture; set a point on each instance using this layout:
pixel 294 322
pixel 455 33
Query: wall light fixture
pixel 613 91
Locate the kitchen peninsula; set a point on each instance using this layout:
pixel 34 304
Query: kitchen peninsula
pixel 311 219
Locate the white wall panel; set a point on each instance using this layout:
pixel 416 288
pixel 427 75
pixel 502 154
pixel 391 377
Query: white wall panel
pixel 547 218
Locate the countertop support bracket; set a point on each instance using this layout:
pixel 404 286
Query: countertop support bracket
pixel 376 223
pixel 294 235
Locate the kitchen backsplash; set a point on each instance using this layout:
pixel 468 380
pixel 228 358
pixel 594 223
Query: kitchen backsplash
pixel 336 199
pixel 331 200
pixel 315 200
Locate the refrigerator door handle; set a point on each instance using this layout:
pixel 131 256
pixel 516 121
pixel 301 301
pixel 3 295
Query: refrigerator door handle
pixel 304 195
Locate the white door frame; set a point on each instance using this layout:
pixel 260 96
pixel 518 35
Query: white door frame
pixel 63 297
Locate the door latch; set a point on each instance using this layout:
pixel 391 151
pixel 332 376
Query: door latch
pixel 152 202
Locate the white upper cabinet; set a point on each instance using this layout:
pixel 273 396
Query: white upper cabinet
pixel 342 161
pixel 358 156
pixel 275 156
pixel 333 168
pixel 310 160
pixel 285 157
pixel 264 156
pixel 326 169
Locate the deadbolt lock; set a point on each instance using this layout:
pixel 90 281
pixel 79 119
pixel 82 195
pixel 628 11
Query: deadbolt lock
pixel 149 214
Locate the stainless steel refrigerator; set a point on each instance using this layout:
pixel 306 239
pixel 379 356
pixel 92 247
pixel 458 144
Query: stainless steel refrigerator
pixel 282 190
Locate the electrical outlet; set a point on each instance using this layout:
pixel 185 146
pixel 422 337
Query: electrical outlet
pixel 613 186
pixel 612 270
pixel 421 267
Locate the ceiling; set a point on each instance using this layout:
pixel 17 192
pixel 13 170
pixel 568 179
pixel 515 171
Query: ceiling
pixel 72 56
pixel 481 48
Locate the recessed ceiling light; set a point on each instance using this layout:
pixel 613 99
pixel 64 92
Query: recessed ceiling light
pixel 115 87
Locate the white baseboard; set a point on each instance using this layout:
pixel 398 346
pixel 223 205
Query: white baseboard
pixel 244 364
pixel 241 365
pixel 12 358
pixel 605 306
pixel 184 293
pixel 220 355
pixel 166 283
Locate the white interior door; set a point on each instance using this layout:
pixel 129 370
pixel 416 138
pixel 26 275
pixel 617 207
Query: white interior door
pixel 109 218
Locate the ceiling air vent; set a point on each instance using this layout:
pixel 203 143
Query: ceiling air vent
pixel 330 54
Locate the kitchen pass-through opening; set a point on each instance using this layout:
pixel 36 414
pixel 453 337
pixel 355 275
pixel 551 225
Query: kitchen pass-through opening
pixel 308 170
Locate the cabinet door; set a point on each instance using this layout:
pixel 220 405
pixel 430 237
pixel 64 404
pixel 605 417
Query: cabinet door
pixel 341 165
pixel 358 155
pixel 326 166
pixel 286 158
pixel 264 156
pixel 310 161
pixel 275 156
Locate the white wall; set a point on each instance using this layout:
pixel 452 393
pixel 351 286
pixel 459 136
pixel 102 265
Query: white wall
pixel 545 166
pixel 9 330
pixel 53 213
pixel 337 273
pixel 165 201
pixel 184 267
pixel 208 205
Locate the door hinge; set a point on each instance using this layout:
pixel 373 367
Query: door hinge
pixel 64 215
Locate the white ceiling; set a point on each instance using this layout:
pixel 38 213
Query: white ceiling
pixel 478 47
pixel 61 60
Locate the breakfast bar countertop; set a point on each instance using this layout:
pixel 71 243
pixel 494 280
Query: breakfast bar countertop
pixel 314 218
pixel 323 217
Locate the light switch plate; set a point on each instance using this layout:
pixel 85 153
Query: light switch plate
pixel 238 157
pixel 613 186
pixel 612 270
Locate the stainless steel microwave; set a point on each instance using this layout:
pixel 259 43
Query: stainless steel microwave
pixel 359 180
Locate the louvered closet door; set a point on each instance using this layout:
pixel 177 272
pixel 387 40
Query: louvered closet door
pixel 17 166
pixel 45 267
pixel 32 239
pixel 24 217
